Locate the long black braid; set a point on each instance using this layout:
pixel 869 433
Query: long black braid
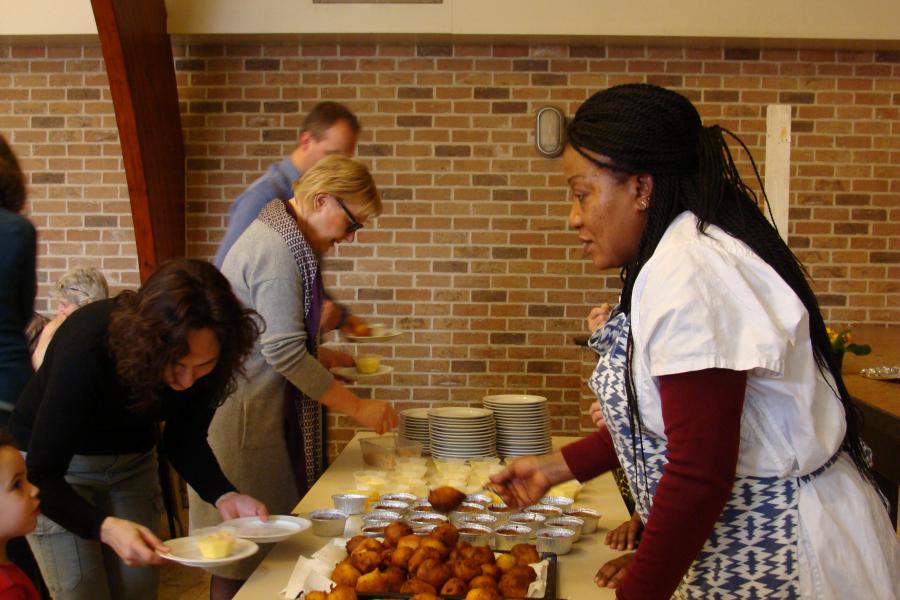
pixel 643 128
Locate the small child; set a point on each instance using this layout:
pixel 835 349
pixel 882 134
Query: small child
pixel 18 516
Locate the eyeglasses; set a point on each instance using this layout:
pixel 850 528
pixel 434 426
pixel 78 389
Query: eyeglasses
pixel 352 225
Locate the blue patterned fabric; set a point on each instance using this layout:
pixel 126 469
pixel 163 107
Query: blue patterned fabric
pixel 752 550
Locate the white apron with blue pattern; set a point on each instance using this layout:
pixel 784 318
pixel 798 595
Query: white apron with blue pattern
pixel 752 550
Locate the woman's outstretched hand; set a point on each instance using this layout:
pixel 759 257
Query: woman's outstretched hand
pixel 525 480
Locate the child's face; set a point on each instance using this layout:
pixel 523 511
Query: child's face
pixel 18 498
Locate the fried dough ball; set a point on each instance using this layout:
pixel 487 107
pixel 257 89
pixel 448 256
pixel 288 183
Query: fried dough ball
pixel 506 562
pixel 466 569
pixel 372 581
pixel 523 571
pixel 370 544
pixel 354 542
pixel 386 558
pixel 459 550
pixel 482 581
pixel 514 583
pixel 485 593
pixel 480 554
pixel 420 556
pixel 438 545
pixel 342 592
pixel 445 498
pixel 525 554
pixel 394 577
pixel 395 531
pixel 365 560
pixel 400 557
pixel 446 533
pixel 432 571
pixel 345 574
pixel 492 570
pixel 316 596
pixel 416 586
pixel 409 541
pixel 454 587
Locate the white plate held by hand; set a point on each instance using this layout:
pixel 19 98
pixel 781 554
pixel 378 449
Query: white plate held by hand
pixel 353 375
pixel 379 336
pixel 276 529
pixel 186 551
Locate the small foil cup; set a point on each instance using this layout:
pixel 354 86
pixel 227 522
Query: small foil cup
pixel 382 515
pixel 423 528
pixel 501 511
pixel 548 510
pixel 476 534
pixel 573 523
pixel 374 529
pixel 328 522
pixel 466 508
pixel 560 501
pixel 479 499
pixel 399 497
pixel 392 505
pixel 426 518
pixel 480 519
pixel 558 540
pixel 507 536
pixel 421 505
pixel 351 504
pixel 590 517
pixel 531 520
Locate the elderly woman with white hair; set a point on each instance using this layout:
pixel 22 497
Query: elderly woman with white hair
pixel 77 287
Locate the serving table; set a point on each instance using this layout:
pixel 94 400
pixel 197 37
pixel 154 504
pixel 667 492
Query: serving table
pixel 576 569
pixel 879 403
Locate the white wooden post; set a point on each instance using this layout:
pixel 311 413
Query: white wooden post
pixel 778 164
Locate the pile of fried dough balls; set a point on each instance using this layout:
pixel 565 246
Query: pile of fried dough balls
pixel 428 567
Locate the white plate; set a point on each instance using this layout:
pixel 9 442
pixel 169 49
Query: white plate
pixel 353 375
pixel 415 413
pixel 276 529
pixel 514 399
pixel 185 550
pixel 387 335
pixel 460 412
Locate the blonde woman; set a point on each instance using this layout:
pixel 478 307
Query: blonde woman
pixel 270 432
pixel 77 287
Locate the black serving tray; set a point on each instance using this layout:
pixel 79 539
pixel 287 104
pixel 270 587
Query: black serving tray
pixel 549 594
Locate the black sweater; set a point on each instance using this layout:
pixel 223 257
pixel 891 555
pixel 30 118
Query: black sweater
pixel 17 288
pixel 75 404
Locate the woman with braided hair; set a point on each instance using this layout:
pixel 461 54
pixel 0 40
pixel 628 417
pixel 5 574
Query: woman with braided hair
pixel 722 400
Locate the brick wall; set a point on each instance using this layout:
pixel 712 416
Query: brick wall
pixel 472 255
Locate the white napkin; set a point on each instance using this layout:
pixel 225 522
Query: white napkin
pixel 539 586
pixel 309 575
pixel 332 553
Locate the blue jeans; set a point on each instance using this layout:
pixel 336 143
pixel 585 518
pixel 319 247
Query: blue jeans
pixel 125 486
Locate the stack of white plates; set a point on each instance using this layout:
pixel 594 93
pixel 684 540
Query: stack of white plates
pixel 523 424
pixel 414 426
pixel 460 432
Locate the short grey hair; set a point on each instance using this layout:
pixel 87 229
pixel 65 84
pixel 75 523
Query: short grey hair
pixel 82 285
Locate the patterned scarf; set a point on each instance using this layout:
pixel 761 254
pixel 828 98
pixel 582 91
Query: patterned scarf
pixel 304 417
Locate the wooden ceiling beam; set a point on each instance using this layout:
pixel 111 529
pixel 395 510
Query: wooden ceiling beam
pixel 138 56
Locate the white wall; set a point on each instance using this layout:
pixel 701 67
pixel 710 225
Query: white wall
pixel 786 19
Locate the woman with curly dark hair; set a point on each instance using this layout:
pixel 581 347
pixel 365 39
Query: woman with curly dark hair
pixel 169 352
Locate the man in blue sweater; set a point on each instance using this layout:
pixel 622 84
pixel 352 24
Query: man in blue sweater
pixel 329 128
